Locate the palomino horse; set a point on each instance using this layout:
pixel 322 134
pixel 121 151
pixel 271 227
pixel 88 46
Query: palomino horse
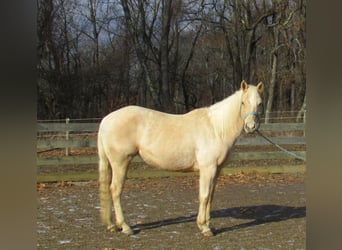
pixel 198 140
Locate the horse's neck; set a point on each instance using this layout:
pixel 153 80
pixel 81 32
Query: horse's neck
pixel 226 118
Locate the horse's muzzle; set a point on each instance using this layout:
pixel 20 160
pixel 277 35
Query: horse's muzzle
pixel 252 121
pixel 252 126
pixel 249 128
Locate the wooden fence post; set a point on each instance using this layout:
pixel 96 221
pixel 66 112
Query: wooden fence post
pixel 304 121
pixel 67 150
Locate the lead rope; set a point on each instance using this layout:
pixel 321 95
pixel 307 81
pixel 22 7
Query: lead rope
pixel 281 148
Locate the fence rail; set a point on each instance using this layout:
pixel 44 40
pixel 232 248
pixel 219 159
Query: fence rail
pixel 83 135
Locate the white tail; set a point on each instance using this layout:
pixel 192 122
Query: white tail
pixel 104 181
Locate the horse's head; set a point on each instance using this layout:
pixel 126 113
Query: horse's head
pixel 251 106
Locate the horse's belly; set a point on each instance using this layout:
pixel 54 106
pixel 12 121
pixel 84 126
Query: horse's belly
pixel 168 161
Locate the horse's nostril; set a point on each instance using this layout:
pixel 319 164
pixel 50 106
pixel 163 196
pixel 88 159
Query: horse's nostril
pixel 251 125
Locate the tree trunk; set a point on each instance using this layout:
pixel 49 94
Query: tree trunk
pixel 164 57
pixel 92 10
pixel 186 95
pixel 302 111
pixel 273 75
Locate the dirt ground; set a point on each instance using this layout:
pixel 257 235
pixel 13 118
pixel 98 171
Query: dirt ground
pixel 249 211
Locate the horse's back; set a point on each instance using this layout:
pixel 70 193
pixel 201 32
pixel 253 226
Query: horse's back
pixel 119 129
pixel 133 122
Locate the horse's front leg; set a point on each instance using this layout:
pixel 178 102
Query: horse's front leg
pixel 211 193
pixel 206 190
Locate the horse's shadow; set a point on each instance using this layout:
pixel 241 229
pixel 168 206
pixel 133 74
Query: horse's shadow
pixel 258 214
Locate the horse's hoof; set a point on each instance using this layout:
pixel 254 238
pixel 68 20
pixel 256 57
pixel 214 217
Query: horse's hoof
pixel 112 229
pixel 128 231
pixel 208 233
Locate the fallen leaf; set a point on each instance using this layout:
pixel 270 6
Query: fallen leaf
pixel 41 186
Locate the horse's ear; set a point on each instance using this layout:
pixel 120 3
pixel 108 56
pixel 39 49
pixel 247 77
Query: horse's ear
pixel 260 87
pixel 244 85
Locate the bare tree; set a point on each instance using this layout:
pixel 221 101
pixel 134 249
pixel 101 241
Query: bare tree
pixel 136 28
pixel 280 22
pixel 96 56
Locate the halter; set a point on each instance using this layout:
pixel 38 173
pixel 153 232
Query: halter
pixel 255 113
pixel 250 113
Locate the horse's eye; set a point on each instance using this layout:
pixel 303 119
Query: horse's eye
pixel 260 108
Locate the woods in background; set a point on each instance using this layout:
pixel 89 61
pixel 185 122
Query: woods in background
pixel 95 56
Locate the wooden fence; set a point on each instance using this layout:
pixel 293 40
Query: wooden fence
pixel 69 135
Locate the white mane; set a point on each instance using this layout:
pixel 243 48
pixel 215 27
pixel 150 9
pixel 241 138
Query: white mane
pixel 224 115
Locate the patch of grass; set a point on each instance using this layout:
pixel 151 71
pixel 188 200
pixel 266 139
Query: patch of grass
pixel 76 176
pixel 157 173
pixel 278 169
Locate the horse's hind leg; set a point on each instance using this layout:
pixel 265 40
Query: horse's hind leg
pixel 105 194
pixel 119 171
